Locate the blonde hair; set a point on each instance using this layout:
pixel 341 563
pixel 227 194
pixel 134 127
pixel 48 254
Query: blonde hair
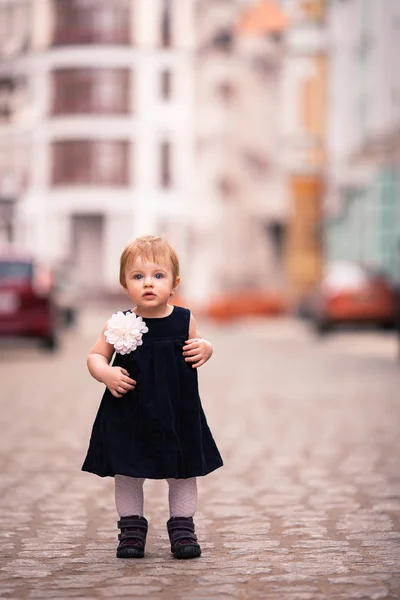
pixel 148 247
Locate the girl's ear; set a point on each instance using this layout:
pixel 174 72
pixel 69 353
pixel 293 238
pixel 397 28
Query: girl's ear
pixel 177 282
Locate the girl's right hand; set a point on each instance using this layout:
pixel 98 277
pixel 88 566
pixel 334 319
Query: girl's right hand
pixel 118 381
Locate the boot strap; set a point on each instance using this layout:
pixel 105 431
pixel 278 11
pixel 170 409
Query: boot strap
pixel 182 535
pixel 178 525
pixel 132 535
pixel 131 522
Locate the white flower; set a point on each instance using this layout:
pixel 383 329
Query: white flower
pixel 124 331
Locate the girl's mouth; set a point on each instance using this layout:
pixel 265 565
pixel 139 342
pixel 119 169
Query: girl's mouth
pixel 149 295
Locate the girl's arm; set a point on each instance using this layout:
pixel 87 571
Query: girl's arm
pixel 115 378
pixel 99 357
pixel 196 349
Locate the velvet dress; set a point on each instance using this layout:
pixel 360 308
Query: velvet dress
pixel 158 430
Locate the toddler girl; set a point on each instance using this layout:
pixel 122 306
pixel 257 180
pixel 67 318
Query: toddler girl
pixel 150 423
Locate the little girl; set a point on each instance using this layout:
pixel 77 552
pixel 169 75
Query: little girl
pixel 150 423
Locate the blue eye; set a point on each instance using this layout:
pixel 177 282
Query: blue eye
pixel 137 276
pixel 158 275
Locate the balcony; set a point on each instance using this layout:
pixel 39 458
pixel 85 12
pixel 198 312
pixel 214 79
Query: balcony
pixel 94 22
pixel 91 91
pixel 91 163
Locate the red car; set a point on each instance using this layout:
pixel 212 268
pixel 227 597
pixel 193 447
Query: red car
pixel 27 306
pixel 353 294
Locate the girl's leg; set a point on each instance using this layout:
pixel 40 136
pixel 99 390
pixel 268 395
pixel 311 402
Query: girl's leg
pixel 182 506
pixel 129 495
pixel 133 525
pixel 182 497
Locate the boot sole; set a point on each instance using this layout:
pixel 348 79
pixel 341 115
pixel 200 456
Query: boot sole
pixel 187 552
pixel 130 553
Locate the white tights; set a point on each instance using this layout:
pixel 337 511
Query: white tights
pixel 129 496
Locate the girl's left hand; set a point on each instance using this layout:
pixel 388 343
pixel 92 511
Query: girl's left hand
pixel 197 351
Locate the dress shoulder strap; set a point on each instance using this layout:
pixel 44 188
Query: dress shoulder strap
pixel 182 319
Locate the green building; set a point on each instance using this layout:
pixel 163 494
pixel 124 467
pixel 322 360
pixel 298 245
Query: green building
pixel 367 229
pixel 364 108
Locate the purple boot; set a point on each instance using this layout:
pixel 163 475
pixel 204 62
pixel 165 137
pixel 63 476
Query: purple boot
pixel 183 538
pixel 132 538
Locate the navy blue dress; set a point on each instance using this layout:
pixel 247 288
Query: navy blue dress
pixel 158 430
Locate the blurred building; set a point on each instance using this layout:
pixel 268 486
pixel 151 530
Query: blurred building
pixel 15 33
pixel 146 116
pixel 241 216
pixel 110 103
pixel 304 139
pixel 363 200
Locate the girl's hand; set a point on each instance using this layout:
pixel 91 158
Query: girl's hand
pixel 197 351
pixel 118 381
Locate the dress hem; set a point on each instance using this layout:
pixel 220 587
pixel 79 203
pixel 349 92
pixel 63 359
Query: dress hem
pixel 142 476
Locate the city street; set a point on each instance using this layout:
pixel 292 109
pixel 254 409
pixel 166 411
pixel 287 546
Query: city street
pixel 307 506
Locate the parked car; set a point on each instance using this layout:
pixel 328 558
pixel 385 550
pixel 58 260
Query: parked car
pixel 27 304
pixel 350 293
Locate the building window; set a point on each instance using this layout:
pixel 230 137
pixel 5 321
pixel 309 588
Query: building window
pixel 228 187
pixel 276 233
pixel 166 85
pixel 256 162
pixel 92 22
pixel 84 162
pixel 223 40
pixel 165 165
pixel 15 28
pixel 166 24
pixel 227 91
pixel 7 86
pixel 98 91
pixel 7 219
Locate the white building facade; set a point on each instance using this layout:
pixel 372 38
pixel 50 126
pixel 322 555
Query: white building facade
pixel 241 209
pixel 150 116
pixel 111 97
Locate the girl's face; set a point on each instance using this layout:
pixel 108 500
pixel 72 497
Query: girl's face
pixel 149 284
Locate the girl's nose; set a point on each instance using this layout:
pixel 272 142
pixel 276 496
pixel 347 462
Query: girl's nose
pixel 148 281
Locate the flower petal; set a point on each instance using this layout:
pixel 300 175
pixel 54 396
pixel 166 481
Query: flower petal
pixel 124 331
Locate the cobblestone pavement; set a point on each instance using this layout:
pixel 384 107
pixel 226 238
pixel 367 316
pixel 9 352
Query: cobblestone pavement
pixel 306 507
